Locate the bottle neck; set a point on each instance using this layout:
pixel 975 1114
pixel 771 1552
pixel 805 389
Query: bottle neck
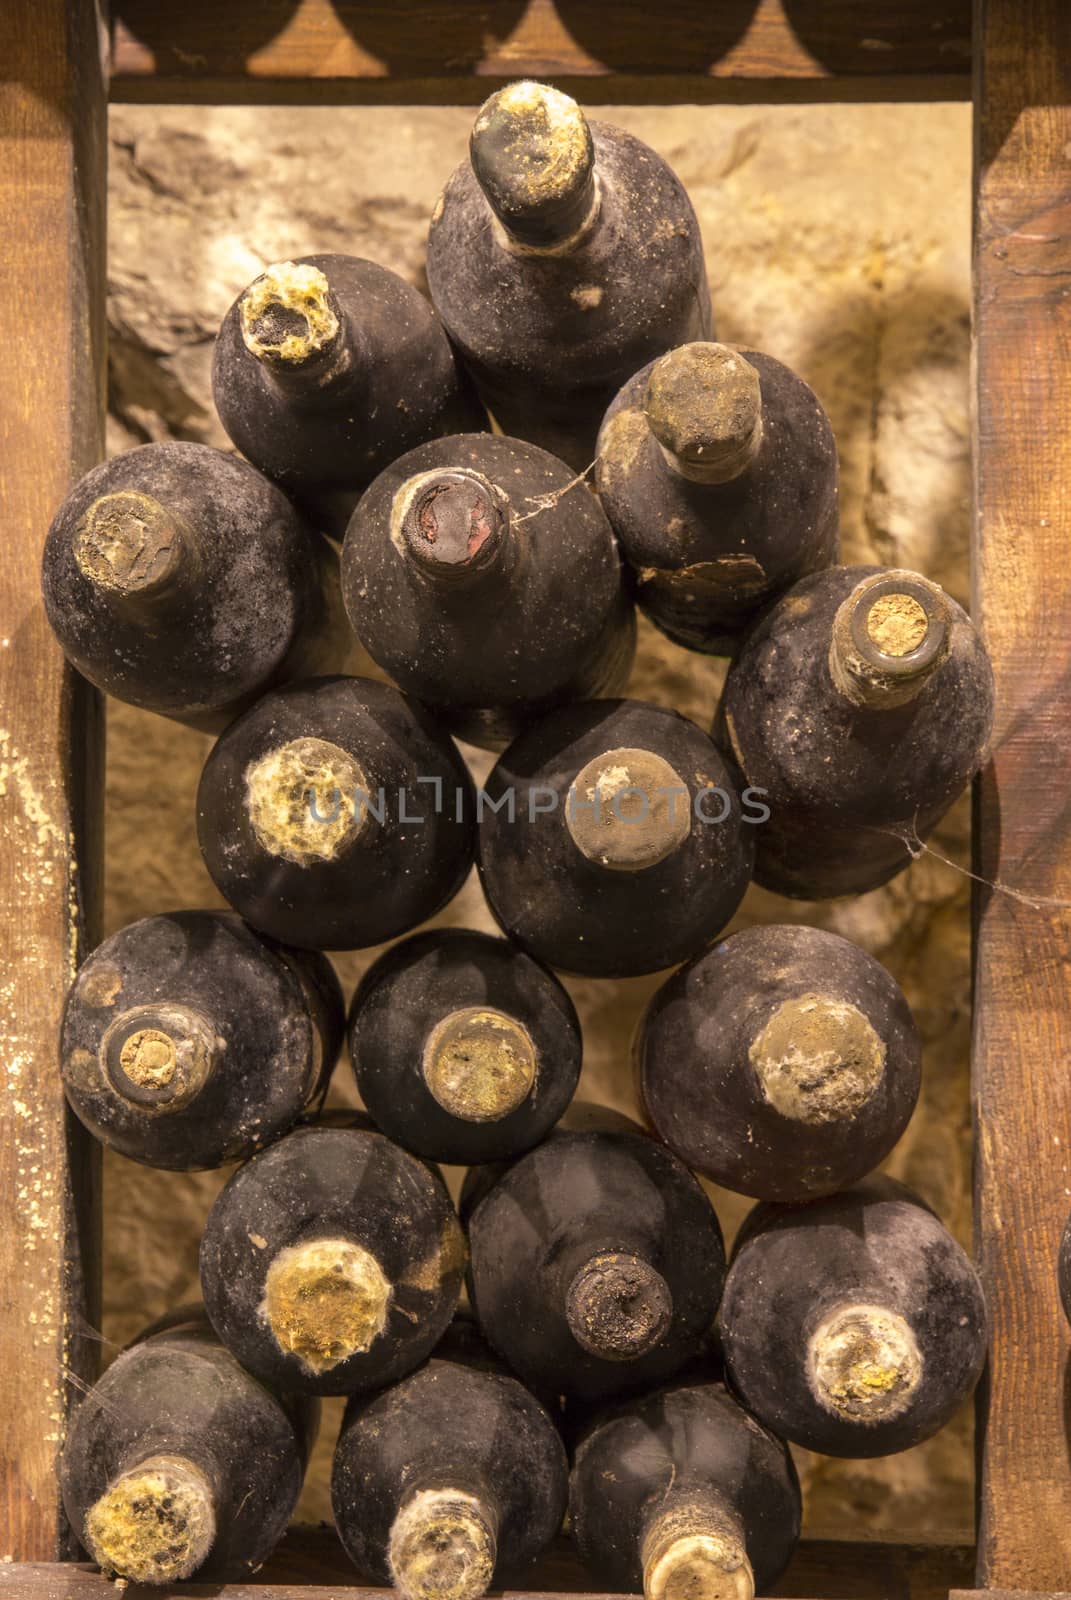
pixel 326 1300
pixel 454 528
pixel 693 1547
pixel 141 556
pixel 703 404
pixel 890 636
pixel 155 1523
pixel 444 1541
pixel 628 810
pixel 533 156
pixel 616 1303
pixel 479 1064
pixel 293 325
pixel 159 1057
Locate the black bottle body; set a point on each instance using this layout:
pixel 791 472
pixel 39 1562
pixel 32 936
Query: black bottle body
pixel 189 1041
pixel 179 579
pixel 332 1261
pixel 783 1063
pixel 709 556
pixel 179 1398
pixel 851 789
pixel 335 814
pixel 551 337
pixel 854 1326
pixel 464 1049
pixel 463 1429
pixel 596 1259
pixel 565 904
pixel 401 387
pixel 549 620
pixel 688 1455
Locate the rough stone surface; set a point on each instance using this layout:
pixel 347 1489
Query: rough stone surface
pixel 837 239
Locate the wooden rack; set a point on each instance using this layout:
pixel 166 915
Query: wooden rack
pixel 61 61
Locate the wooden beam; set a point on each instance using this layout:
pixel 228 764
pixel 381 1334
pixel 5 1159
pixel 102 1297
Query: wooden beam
pixel 1022 596
pixel 51 407
pixel 425 51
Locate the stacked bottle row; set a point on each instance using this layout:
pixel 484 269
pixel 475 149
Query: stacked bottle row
pixel 498 590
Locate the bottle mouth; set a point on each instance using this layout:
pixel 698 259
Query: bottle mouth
pixel 158 1057
pixel 618 1306
pixel 863 1363
pixel 818 1059
pixel 130 544
pixel 154 1524
pixel 628 810
pixel 479 1064
pixel 696 1552
pixel 452 523
pixel 703 404
pixel 288 316
pixel 890 634
pixel 307 801
pixel 443 1546
pixel 533 157
pixel 326 1300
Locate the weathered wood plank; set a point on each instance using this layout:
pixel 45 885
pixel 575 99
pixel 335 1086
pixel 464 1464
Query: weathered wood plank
pixel 1022 585
pixel 422 50
pixel 310 1565
pixel 51 406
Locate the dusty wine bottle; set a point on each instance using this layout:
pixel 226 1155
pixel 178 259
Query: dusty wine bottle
pixel 718 471
pixel 613 840
pixel 861 703
pixel 596 1259
pixel 682 1494
pixel 335 814
pixel 854 1326
pixel 784 1063
pixel 562 257
pixel 179 1464
pixel 332 1261
pixel 329 367
pixel 465 1050
pixel 452 1476
pixel 177 578
pixel 188 1040
pixel 485 579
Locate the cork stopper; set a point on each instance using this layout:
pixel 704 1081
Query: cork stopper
pixel 479 1063
pixel 326 1300
pixel 696 1552
pixel 618 1306
pixel 628 810
pixel 451 523
pixel 889 636
pixel 307 801
pixel 533 156
pixel 704 406
pixel 443 1546
pixel 863 1363
pixel 818 1059
pixel 292 324
pixel 154 1524
pixel 158 1057
pixel 132 546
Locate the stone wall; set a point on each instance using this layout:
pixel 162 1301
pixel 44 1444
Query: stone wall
pixel 837 239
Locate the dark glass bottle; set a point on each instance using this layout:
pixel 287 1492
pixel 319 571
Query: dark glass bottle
pixel 682 1494
pixel 784 1063
pixel 449 1479
pixel 861 705
pixel 718 471
pixel 188 1040
pixel 596 1259
pixel 855 1325
pixel 332 1261
pixel 562 257
pixel 612 840
pixel 178 1464
pixel 327 368
pixel 336 814
pixel 177 578
pixel 486 581
pixel 465 1050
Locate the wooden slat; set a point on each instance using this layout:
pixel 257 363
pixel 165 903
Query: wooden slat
pixel 51 405
pixel 424 50
pixel 311 1563
pixel 1022 585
